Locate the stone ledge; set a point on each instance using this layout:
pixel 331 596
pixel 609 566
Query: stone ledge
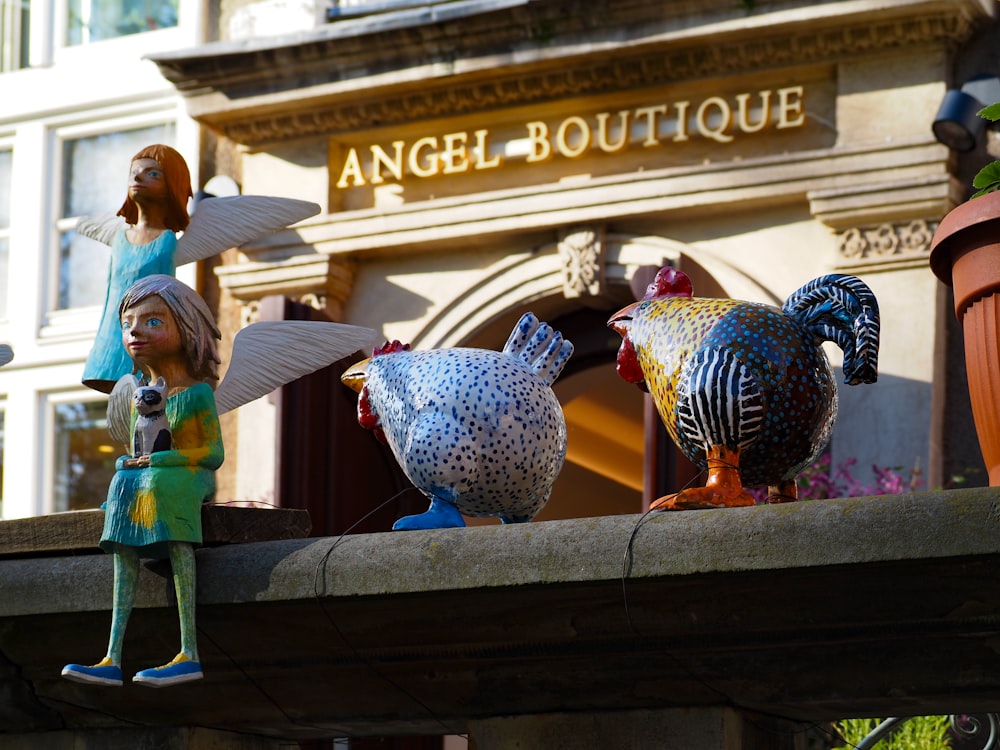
pixel 809 611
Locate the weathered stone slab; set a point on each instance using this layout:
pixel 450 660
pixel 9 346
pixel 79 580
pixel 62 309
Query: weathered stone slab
pixel 885 606
pixel 78 531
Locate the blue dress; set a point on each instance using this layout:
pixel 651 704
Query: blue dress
pixel 150 506
pixel 108 359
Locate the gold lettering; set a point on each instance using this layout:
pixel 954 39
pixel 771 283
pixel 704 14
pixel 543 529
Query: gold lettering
pixel 743 112
pixel 682 120
pixel 483 151
pixel 726 114
pixel 454 155
pixel 432 167
pixel 352 171
pixel 381 159
pixel 790 102
pixel 652 124
pixel 538 134
pixel 624 117
pixel 562 139
pixel 719 118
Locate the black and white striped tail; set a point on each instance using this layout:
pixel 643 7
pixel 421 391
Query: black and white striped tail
pixel 842 309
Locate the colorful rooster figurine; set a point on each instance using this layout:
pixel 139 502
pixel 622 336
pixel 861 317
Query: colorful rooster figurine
pixel 744 389
pixel 479 432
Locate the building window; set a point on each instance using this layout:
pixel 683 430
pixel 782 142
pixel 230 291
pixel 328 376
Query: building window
pixel 84 455
pixel 95 179
pixel 6 162
pixel 14 16
pixel 97 20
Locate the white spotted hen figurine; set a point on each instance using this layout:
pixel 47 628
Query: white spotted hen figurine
pixel 479 432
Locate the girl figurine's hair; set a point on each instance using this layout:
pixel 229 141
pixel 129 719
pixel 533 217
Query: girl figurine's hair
pixel 178 182
pixel 194 320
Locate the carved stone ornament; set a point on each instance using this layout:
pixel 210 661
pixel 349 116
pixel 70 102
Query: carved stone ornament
pixel 582 254
pixel 886 242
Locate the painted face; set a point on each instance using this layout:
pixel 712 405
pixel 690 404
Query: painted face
pixel 149 332
pixel 146 180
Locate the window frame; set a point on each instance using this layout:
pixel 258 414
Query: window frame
pixel 6 233
pixel 58 323
pixel 47 403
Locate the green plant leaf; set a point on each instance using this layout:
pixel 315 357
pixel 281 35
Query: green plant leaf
pixel 990 112
pixel 988 179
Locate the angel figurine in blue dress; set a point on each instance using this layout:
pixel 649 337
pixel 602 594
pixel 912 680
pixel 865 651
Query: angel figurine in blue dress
pixel 143 236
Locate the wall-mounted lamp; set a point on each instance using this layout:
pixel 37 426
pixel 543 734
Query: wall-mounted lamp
pixel 956 124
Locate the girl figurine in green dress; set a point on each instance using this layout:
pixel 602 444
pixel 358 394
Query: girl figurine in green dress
pixel 145 243
pixel 154 501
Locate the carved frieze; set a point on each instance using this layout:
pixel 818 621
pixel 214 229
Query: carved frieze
pixel 886 243
pixel 308 64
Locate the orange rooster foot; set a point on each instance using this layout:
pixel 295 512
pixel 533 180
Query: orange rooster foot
pixel 703 498
pixel 783 492
pixel 722 490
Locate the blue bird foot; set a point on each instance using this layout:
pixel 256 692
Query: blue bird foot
pixel 441 515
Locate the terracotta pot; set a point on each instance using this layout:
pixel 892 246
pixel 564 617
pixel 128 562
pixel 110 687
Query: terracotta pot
pixel 965 253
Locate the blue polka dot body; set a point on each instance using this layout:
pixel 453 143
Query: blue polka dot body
pixel 480 432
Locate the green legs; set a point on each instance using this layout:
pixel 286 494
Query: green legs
pixel 184 667
pixel 182 562
pixel 126 563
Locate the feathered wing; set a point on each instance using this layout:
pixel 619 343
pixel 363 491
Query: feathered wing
pixel 269 354
pixel 218 224
pixel 101 228
pixel 842 309
pixel 120 409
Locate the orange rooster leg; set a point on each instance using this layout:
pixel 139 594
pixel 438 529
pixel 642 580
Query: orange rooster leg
pixel 783 492
pixel 722 490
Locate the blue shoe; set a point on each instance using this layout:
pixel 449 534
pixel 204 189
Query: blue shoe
pixel 102 673
pixel 180 669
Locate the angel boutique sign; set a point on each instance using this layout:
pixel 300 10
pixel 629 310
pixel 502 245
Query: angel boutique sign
pixel 716 118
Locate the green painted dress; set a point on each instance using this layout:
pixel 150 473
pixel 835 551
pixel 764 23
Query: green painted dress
pixel 150 506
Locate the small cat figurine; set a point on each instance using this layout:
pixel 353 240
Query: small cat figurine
pixel 152 431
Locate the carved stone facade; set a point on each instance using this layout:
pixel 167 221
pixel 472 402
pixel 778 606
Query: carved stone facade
pixel 846 175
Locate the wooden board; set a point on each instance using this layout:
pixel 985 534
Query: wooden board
pixel 78 531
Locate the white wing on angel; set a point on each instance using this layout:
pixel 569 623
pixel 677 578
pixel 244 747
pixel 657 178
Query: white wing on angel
pixel 217 224
pixel 101 228
pixel 120 410
pixel 269 354
pixel 266 356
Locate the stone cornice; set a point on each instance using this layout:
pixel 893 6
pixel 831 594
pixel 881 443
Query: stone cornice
pixel 324 82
